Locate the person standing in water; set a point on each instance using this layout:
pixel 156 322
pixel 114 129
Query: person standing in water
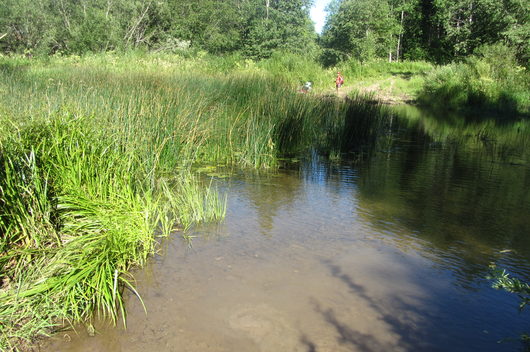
pixel 339 81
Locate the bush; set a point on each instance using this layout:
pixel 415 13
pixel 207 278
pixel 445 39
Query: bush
pixel 488 80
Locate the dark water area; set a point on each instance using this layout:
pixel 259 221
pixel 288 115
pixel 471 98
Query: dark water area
pixel 387 252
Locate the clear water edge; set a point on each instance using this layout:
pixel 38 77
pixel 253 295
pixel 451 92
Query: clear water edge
pixel 387 254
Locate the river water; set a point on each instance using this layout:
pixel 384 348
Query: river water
pixel 387 252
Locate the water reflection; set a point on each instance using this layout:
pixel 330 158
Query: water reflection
pixel 270 194
pixel 461 197
pixel 463 187
pixel 388 252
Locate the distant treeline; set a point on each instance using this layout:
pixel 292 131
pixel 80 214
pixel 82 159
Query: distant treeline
pixel 254 27
pixel 436 30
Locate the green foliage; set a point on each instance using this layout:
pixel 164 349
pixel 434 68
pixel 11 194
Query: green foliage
pixel 517 30
pixel 382 68
pixel 261 40
pixel 227 26
pixel 504 281
pixel 297 69
pixel 489 80
pixel 362 30
pixel 439 31
pixel 471 24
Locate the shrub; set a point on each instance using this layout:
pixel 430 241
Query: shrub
pixel 489 80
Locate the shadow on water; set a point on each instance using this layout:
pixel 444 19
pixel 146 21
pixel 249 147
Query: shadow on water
pixel 409 336
pixel 305 341
pixel 347 335
pixel 461 186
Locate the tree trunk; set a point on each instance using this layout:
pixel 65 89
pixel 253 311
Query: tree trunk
pixel 109 4
pixel 268 4
pixel 64 12
pixel 136 32
pixel 399 37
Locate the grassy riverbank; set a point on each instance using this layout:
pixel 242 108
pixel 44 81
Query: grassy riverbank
pixel 490 81
pixel 98 156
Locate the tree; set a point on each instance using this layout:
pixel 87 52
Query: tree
pixel 362 29
pixel 280 25
pixel 25 25
pixel 262 39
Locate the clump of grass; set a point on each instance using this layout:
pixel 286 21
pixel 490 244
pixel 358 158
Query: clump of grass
pixel 78 211
pixel 352 126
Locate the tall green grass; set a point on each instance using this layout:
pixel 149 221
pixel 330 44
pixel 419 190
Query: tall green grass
pixel 78 211
pixel 97 155
pixel 488 81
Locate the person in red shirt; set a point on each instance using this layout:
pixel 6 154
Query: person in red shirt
pixel 339 81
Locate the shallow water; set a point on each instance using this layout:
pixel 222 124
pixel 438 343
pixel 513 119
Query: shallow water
pixel 388 253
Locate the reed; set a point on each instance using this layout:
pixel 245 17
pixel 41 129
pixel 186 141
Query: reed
pixel 97 156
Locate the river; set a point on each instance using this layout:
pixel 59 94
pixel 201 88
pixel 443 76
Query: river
pixel 387 250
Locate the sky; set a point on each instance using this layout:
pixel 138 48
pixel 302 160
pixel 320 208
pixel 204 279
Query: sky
pixel 318 15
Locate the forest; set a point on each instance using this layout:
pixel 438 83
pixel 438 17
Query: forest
pixel 440 31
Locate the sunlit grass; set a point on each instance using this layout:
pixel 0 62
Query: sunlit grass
pixel 97 155
pixel 489 81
